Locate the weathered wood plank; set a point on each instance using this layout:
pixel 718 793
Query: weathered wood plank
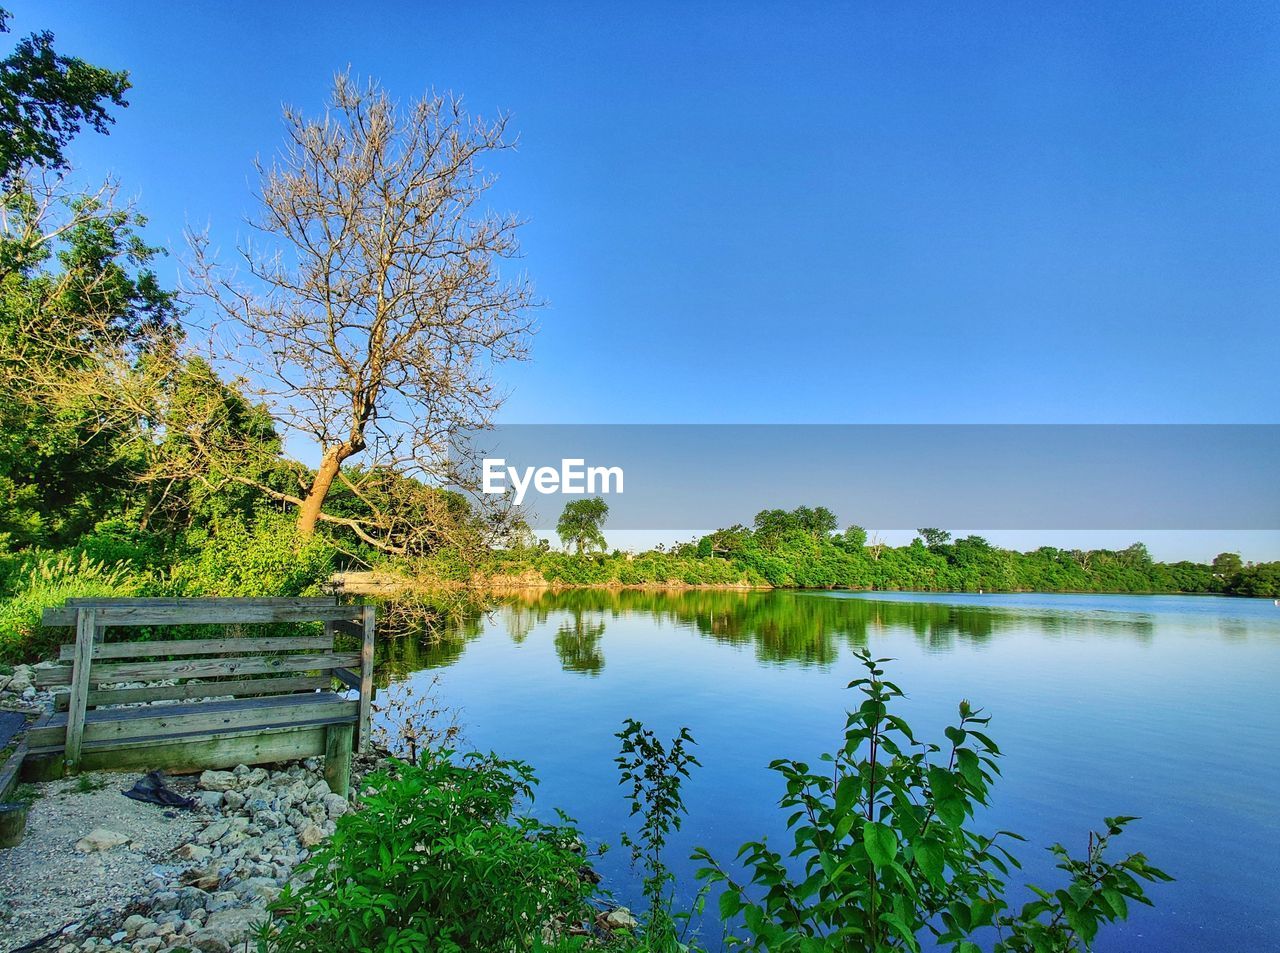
pixel 87 631
pixel 106 672
pixel 217 751
pixel 347 677
pixel 45 676
pixel 366 676
pixel 244 687
pixel 204 614
pixel 122 724
pixel 337 758
pixel 9 771
pixel 102 602
pixel 351 627
pixel 245 645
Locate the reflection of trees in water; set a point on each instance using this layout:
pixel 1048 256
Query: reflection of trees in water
pixel 433 640
pixel 518 620
pixel 578 644
pixel 779 626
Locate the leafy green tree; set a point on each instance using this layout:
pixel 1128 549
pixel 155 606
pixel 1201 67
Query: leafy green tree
pixel 86 330
pixel 45 97
pixel 933 537
pixel 1226 565
pixel 855 537
pixel 581 524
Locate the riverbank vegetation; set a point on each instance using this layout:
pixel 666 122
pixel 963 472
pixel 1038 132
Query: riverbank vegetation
pixel 888 855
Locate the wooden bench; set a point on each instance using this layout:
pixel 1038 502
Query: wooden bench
pixel 232 698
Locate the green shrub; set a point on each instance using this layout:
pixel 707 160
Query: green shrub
pixel 267 559
pixel 45 580
pixel 436 861
pixel 122 541
pixel 884 852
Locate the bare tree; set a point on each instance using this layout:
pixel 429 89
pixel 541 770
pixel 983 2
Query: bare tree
pixel 375 307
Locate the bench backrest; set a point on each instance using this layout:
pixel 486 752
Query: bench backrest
pixel 224 664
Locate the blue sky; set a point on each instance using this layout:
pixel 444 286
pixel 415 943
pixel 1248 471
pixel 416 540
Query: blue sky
pixel 801 213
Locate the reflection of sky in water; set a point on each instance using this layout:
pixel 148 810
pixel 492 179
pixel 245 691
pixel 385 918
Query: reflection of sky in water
pixel 1160 706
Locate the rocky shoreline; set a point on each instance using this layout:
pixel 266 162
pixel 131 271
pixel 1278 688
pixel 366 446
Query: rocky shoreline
pixel 242 843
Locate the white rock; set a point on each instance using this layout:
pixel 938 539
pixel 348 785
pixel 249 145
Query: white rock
pixel 234 925
pixel 193 852
pixel 335 805
pixel 217 780
pixel 620 919
pixel 100 838
pixel 213 832
pixel 212 800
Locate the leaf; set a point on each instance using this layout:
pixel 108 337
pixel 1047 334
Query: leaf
pixel 929 858
pixel 881 843
pixel 967 761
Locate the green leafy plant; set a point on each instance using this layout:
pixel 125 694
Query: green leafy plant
pixel 884 853
pixel 655 772
pixel 266 559
pixel 437 860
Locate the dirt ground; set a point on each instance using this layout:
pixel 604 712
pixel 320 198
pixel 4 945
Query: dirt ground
pixel 39 877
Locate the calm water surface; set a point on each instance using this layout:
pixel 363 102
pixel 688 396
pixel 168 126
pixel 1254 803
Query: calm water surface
pixel 1163 707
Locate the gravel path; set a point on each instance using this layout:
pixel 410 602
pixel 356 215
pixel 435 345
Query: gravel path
pixel 46 883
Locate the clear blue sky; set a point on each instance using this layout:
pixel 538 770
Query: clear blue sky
pixel 820 213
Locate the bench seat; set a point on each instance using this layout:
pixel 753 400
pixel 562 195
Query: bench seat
pixel 201 735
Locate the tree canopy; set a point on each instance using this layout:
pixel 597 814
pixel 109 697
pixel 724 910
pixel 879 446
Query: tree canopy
pixel 45 98
pixel 581 524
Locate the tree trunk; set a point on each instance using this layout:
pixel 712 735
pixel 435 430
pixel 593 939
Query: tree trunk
pixel 309 512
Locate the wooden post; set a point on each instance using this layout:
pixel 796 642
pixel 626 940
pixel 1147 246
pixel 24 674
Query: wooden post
pixel 366 677
pixel 13 821
pixel 86 635
pixel 337 758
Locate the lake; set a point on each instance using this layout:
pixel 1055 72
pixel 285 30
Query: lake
pixel 1165 707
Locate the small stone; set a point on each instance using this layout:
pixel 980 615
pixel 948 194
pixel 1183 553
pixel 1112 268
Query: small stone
pixel 240 770
pixel 148 944
pixel 310 835
pixel 620 919
pixel 100 838
pixel 234 800
pixel 335 805
pixel 234 925
pixel 193 852
pixel 119 936
pixel 217 780
pixel 134 923
pixel 213 832
pixel 206 941
pixel 259 891
pixel 203 878
pixel 211 800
